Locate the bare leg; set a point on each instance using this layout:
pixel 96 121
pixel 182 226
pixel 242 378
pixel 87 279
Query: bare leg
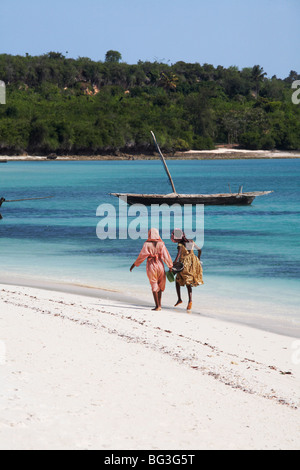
pixel 156 300
pixel 159 298
pixel 178 290
pixel 190 304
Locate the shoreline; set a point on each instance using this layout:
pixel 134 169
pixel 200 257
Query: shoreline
pixel 87 373
pixel 210 309
pixel 218 154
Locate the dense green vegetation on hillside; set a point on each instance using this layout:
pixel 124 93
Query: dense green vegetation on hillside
pixel 67 106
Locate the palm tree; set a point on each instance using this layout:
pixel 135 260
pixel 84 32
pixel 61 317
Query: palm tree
pixel 257 75
pixel 168 81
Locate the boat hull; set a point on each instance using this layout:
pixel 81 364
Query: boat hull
pixel 242 199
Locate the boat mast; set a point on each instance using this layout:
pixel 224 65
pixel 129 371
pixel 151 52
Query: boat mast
pixel 164 163
pixel 30 199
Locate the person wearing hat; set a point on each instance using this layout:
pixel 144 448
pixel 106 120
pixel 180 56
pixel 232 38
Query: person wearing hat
pixel 156 253
pixel 192 274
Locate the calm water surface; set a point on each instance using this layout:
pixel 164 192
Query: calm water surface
pixel 251 255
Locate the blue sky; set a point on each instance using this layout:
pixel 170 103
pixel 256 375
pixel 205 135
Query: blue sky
pixel 220 32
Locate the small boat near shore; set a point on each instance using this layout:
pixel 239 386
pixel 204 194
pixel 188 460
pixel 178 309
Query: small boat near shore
pixel 3 200
pixel 240 198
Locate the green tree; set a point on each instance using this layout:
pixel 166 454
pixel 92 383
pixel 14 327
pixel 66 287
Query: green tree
pixel 200 114
pixel 113 56
pixel 168 81
pixel 38 134
pixel 257 76
pixel 79 106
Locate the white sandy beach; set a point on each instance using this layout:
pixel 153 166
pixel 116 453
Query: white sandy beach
pixel 77 372
pixel 247 153
pixel 221 152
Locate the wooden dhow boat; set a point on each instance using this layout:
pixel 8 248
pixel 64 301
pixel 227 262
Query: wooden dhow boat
pixel 240 198
pixel 3 200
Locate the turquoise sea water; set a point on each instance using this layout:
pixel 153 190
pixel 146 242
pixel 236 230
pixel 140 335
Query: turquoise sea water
pixel 250 257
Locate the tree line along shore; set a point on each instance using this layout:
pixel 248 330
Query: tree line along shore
pixel 61 106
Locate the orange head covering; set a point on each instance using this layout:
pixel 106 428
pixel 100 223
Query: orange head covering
pixel 153 235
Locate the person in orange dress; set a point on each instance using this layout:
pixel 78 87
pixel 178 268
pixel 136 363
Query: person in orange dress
pixel 156 253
